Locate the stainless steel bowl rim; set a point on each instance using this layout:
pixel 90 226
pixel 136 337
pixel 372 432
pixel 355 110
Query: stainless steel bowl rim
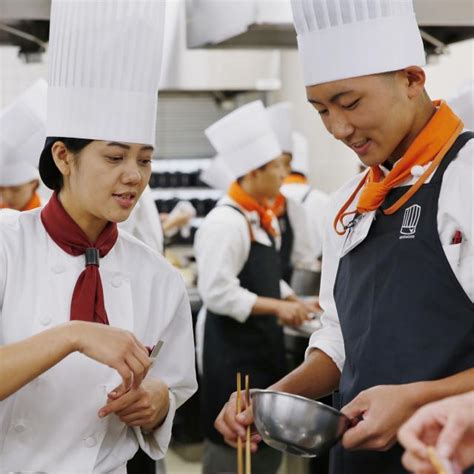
pixel 291 395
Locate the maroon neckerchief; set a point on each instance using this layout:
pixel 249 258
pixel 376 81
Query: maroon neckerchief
pixel 88 297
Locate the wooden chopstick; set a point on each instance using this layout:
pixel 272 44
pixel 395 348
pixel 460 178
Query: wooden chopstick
pixel 435 461
pixel 240 457
pixel 248 452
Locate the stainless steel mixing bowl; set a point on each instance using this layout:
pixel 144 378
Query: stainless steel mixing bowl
pixel 297 425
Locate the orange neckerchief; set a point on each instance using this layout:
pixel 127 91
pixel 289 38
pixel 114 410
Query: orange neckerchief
pixel 279 205
pixel 431 145
pixel 33 203
pixel 294 178
pixel 236 193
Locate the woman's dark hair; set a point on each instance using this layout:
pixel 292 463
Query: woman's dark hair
pixel 50 174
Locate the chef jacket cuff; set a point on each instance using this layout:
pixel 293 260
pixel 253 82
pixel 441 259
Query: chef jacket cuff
pixel 328 347
pixel 285 290
pixel 247 303
pixel 155 444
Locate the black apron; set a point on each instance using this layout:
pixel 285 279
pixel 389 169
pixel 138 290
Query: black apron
pixel 255 347
pixel 286 249
pixel 404 315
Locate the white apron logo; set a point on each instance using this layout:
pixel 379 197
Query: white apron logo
pixel 410 221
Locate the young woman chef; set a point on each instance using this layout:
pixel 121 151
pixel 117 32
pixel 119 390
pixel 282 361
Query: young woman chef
pixel 21 141
pixel 296 186
pixel 69 262
pixel 240 280
pixel 297 248
pixel 397 288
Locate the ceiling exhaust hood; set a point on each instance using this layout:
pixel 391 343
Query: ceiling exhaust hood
pixel 268 23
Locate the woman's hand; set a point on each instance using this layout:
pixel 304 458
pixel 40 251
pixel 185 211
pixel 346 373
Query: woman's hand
pixel 145 406
pixel 117 348
pixel 447 425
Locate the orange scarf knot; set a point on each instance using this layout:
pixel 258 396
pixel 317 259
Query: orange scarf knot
pixel 430 146
pixel 247 202
pixel 373 196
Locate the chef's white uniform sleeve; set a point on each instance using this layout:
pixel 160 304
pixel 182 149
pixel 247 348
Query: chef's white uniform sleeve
pixel 329 337
pixel 303 254
pixel 175 365
pixel 316 207
pixel 221 250
pixel 285 290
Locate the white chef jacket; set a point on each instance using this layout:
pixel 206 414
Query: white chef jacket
pixel 144 222
pixel 51 424
pixel 455 212
pixel 303 253
pixel 315 203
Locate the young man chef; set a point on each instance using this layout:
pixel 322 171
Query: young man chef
pixel 240 278
pixel 397 286
pixel 22 136
pixel 297 187
pixel 297 250
pixel 69 262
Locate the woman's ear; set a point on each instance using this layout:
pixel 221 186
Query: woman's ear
pixel 62 158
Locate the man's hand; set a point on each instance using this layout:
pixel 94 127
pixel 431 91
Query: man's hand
pixel 145 406
pixel 232 426
pixel 381 410
pixel 447 425
pixel 292 313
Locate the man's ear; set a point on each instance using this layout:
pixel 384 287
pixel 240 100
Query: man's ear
pixel 415 80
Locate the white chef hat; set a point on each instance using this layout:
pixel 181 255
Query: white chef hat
pixel 217 175
pixel 299 162
pixel 462 104
pixel 280 116
pixel 340 39
pixel 104 69
pixel 22 135
pixel 244 139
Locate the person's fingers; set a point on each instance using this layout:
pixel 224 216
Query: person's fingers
pixel 236 425
pixel 409 436
pixel 414 464
pixel 139 422
pixel 356 437
pixel 138 369
pixel 126 374
pixel 116 405
pixel 117 392
pixel 137 417
pixel 139 405
pixel 233 444
pixel 451 435
pixel 142 348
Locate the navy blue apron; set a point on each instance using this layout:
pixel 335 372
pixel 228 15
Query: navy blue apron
pixel 287 242
pixel 255 347
pixel 404 315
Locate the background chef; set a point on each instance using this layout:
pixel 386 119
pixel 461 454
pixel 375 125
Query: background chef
pixel 23 133
pixel 240 279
